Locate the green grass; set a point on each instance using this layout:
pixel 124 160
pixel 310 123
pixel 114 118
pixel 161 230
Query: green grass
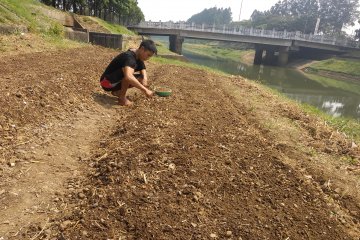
pixel 27 13
pixel 215 52
pixel 351 67
pixel 352 54
pixel 17 12
pixel 7 16
pixel 340 84
pixel 350 127
pixel 162 49
pixel 162 60
pixel 162 46
pixel 113 28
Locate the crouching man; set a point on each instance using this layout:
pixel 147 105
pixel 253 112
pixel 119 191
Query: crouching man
pixel 128 70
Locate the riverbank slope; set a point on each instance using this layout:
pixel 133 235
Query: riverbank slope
pixel 336 68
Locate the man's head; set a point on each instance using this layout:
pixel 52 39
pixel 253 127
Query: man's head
pixel 146 49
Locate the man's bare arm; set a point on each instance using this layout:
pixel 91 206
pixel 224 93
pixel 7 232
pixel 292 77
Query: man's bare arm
pixel 129 77
pixel 145 77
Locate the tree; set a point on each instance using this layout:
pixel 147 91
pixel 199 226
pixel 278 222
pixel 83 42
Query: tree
pixel 217 16
pixel 336 14
pixel 302 15
pixel 119 11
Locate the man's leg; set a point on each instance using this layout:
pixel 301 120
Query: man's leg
pixel 125 85
pixel 121 94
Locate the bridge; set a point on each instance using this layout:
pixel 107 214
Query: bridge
pixel 276 44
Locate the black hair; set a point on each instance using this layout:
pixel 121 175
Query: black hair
pixel 149 45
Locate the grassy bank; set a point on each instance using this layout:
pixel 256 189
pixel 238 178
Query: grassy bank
pixel 97 24
pixel 348 66
pixel 350 127
pixel 329 82
pixel 44 33
pixel 113 28
pixel 341 74
pixel 163 60
pixel 215 52
pixel 15 12
pixel 163 49
pixel 29 13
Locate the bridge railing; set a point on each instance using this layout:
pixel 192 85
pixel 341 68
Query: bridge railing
pixel 324 39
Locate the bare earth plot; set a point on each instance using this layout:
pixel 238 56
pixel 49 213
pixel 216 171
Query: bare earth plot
pixel 221 158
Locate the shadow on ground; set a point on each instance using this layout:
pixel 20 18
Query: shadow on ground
pixel 105 100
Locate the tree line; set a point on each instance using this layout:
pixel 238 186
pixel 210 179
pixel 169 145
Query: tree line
pixel 211 16
pixel 326 16
pixel 117 11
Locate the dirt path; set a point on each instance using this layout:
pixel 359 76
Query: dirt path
pixel 49 124
pixel 30 195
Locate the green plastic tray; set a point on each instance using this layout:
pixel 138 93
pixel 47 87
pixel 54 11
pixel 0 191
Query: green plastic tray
pixel 163 91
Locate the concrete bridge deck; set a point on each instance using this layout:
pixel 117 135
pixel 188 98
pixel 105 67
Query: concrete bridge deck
pixel 270 41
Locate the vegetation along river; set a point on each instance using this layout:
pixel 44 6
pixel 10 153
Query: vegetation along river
pixel 335 97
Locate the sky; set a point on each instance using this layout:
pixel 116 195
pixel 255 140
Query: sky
pixel 182 10
pixel 166 10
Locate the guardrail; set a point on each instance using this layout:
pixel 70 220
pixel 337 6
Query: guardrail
pixel 324 39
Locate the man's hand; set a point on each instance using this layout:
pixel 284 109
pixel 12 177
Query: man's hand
pixel 149 93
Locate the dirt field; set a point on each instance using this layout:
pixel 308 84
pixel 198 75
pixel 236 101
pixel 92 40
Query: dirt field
pixel 219 159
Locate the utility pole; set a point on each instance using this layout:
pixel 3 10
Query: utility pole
pixel 240 10
pixel 318 20
pixel 317 26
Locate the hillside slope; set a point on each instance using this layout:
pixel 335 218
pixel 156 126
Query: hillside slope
pixel 29 13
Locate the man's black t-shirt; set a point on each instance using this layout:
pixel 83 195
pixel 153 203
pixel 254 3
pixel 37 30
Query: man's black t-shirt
pixel 114 72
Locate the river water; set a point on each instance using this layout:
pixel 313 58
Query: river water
pixel 337 98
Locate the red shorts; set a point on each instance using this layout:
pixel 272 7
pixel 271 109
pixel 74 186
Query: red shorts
pixel 107 85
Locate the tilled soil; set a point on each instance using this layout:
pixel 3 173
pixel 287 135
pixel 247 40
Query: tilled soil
pixel 195 166
pixel 199 164
pixel 52 112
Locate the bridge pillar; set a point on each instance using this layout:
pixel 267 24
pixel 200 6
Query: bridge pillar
pixel 176 43
pixel 258 56
pixel 270 57
pixel 283 56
